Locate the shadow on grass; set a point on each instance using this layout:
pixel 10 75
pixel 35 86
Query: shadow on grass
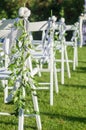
pixel 82 61
pixel 81 70
pixel 7 123
pixel 75 85
pixel 66 117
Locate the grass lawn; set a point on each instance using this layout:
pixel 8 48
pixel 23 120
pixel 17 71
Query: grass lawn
pixel 69 109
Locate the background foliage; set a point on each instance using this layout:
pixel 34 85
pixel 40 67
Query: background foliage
pixel 41 9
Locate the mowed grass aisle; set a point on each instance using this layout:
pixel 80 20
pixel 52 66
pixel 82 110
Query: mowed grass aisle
pixel 69 109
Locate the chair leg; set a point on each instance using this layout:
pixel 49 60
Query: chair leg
pixel 67 63
pixel 51 77
pixel 5 85
pixel 36 108
pixel 75 58
pixel 74 64
pixel 39 66
pixel 56 79
pixel 21 120
pixel 62 65
pixel 76 55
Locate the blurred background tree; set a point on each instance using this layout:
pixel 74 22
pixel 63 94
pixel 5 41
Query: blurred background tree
pixel 41 9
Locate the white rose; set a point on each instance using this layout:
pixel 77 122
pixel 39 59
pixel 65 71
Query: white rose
pixel 24 12
pixel 62 20
pixel 54 18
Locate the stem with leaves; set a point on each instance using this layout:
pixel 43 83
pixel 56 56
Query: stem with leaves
pixel 21 77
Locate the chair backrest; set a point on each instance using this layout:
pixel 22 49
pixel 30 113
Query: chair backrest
pixel 8 30
pixel 70 30
pixel 4 52
pixel 38 30
pixel 42 27
pixel 75 31
pixel 38 26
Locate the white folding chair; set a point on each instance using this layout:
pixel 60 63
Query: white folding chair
pixel 74 42
pixel 4 47
pixel 61 46
pixel 4 75
pixel 44 53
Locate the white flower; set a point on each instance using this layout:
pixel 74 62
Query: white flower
pixel 20 43
pixel 82 14
pixel 56 33
pixel 54 18
pixel 62 20
pixel 6 45
pixel 24 12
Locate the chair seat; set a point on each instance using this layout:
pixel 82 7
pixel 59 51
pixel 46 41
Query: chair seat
pixel 4 74
pixel 34 71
